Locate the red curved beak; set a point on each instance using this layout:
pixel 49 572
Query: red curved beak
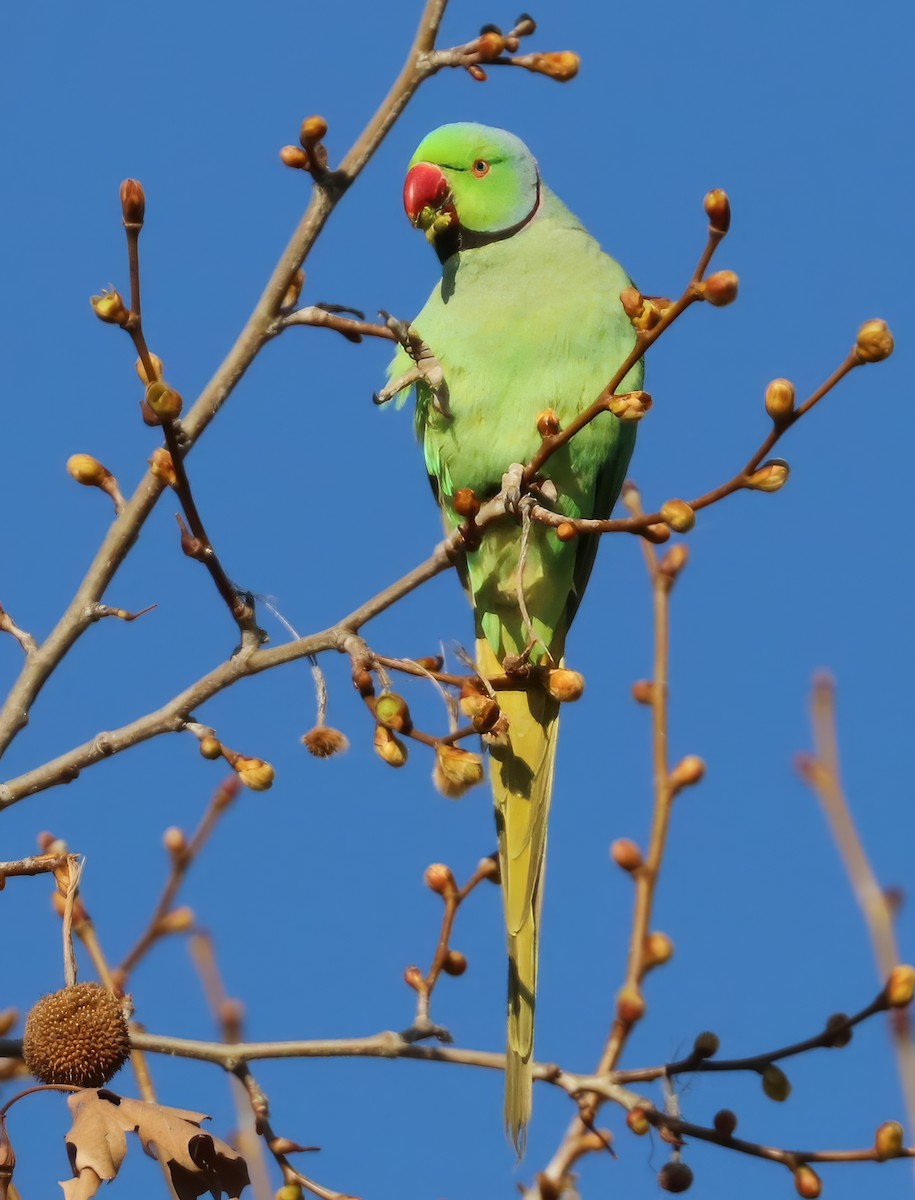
pixel 424 187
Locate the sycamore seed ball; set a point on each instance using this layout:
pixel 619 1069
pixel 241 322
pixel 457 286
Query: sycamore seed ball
pixel 77 1035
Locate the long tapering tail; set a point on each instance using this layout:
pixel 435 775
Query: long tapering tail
pixel 522 784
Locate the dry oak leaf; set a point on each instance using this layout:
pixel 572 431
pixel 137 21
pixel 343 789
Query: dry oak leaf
pixel 196 1161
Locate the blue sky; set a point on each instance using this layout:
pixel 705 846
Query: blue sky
pixel 313 891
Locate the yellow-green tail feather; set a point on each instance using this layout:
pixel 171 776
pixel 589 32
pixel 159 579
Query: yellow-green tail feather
pixel 522 783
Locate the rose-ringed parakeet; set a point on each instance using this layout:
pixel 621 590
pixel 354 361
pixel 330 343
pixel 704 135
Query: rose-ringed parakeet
pixel 527 317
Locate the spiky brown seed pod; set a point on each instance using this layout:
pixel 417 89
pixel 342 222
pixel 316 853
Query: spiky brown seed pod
pixel 77 1035
pixel 675 1177
pixel 324 742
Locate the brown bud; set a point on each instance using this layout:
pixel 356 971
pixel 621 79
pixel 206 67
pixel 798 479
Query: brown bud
pixel 363 682
pixel 88 470
pixel 155 362
pixel 656 534
pixel 294 291
pixel 643 691
pixel 313 129
pixel 561 65
pixel 8 1019
pixel 674 561
pixel 429 662
pixel 455 963
pixel 888 1140
pixel 706 1044
pixel 688 771
pixel 547 423
pixel 525 25
pixel 163 400
pixel 775 1083
pixel 161 465
pixel 456 770
pixel 725 1122
pixel 626 854
pixel 179 920
pixel 476 72
pixel 391 711
pixel 807 1183
pixel 295 157
pixel 631 300
pixel 658 949
pixel 439 879
pixel 675 1176
pixel 490 45
pixel 637 1120
pixel 149 417
pixel 483 712
pixel 565 685
pixel 254 773
pixel 718 210
pixel 465 503
pixel 678 515
pixel 389 747
pixel 720 288
pixel 566 532
pixel 110 308
pixel 413 977
pixel 488 868
pixel 133 202
pixel 174 841
pixel 780 400
pixel 630 1005
pixel 900 986
pixel 210 747
pixel 874 342
pixel 838 1031
pixel 770 477
pixel 324 742
pixel 630 406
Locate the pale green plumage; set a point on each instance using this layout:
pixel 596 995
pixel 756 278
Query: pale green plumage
pixel 520 325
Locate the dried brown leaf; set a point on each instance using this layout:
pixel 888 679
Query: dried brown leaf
pixel 196 1161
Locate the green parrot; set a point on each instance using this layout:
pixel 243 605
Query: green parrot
pixel 527 317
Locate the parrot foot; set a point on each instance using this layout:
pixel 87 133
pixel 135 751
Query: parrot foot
pixel 511 489
pixel 428 368
pixel 421 1030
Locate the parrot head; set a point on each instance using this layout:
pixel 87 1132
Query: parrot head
pixel 469 185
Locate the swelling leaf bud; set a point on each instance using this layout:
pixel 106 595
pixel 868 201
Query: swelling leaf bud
pixel 900 986
pixel 456 770
pixel 643 691
pixel 547 423
pixel 295 157
pixel 637 1120
pixel 254 773
pixel 678 515
pixel 780 400
pixel 140 369
pixel 807 1183
pixel 465 503
pixel 720 289
pixel 161 465
pixel 391 711
pixel 658 949
pixel 725 1122
pixel 630 1005
pixel 389 748
pixel 688 771
pixel 770 477
pixel 565 685
pixel 566 532
pixel 110 308
pixel 133 202
pixel 413 977
pixel 174 841
pixel 490 45
pixel 87 470
pixel 706 1044
pixel 313 130
pixel 874 342
pixel 718 210
pixel 626 854
pixel 561 65
pixel 455 963
pixel 674 560
pixel 888 1140
pixel 630 406
pixel 210 747
pixel 775 1083
pixel 837 1028
pixel 439 879
pixel 163 400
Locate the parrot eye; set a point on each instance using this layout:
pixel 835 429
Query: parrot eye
pixel 480 168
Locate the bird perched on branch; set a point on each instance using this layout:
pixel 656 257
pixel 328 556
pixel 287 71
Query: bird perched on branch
pixel 526 326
